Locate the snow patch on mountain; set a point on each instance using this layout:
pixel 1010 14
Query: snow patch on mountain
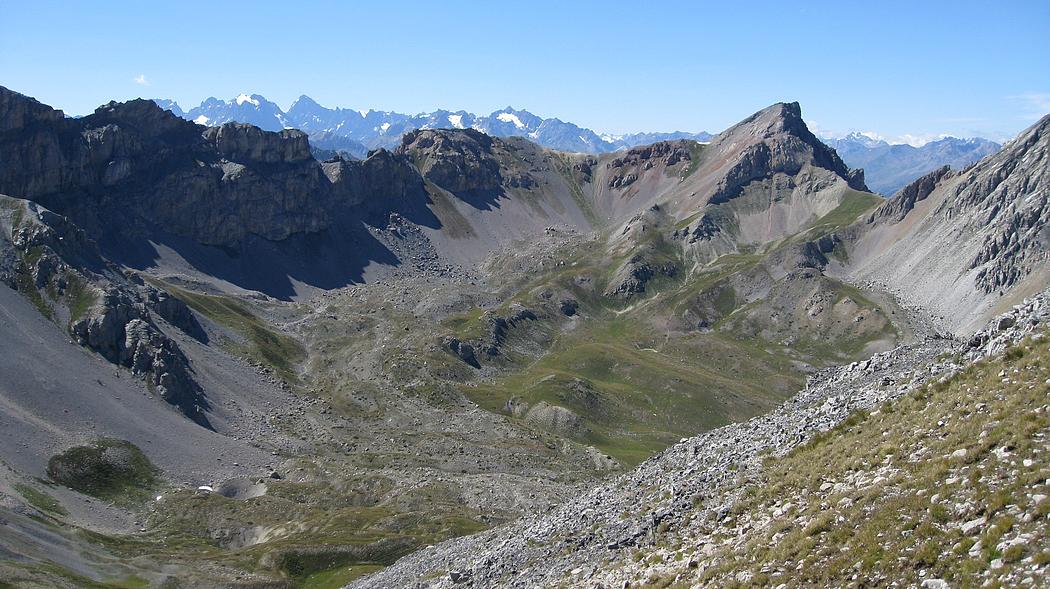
pixel 507 117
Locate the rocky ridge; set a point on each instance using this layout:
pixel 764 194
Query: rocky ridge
pixel 889 167
pixel 955 243
pixel 58 267
pixel 786 146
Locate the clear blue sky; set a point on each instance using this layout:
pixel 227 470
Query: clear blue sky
pixel 894 68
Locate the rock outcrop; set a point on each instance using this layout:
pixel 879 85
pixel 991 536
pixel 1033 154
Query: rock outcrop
pixel 633 277
pixel 498 330
pixel 627 168
pixel 246 143
pixel 102 309
pixel 458 161
pixel 143 165
pixel 784 145
pixel 916 192
pixel 382 183
pixel 18 112
pixel 501 325
pixel 557 420
pixel 463 351
pixel 120 328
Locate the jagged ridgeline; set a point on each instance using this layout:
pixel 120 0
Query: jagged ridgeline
pixel 355 132
pixel 299 371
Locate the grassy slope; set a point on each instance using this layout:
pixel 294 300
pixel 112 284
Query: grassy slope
pixel 265 344
pixel 854 204
pixel 653 391
pixel 658 385
pixel 881 499
pixel 320 535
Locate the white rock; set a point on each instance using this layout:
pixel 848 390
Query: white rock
pixel 969 527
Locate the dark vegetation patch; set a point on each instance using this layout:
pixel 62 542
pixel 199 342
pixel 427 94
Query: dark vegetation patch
pixel 108 469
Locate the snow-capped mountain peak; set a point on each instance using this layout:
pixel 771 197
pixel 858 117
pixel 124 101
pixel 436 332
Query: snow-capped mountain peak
pixel 357 131
pixel 867 138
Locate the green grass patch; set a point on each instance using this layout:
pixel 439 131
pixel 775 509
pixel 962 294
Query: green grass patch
pixel 854 204
pixel 265 345
pixel 644 392
pixel 466 325
pixel 696 153
pixel 27 286
pixel 338 577
pixel 41 500
pixel 81 297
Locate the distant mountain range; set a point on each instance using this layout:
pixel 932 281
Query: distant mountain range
pixel 888 168
pixel 355 132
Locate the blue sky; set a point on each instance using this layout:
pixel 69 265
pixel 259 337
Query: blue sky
pixel 918 68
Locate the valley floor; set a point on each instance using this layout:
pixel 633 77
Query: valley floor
pixel 926 465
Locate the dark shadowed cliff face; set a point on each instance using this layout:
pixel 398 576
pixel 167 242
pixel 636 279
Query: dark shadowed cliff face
pixel 376 186
pixel 141 164
pixel 249 206
pixel 21 113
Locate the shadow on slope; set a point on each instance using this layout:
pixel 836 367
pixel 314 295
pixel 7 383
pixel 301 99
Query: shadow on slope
pixel 328 260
